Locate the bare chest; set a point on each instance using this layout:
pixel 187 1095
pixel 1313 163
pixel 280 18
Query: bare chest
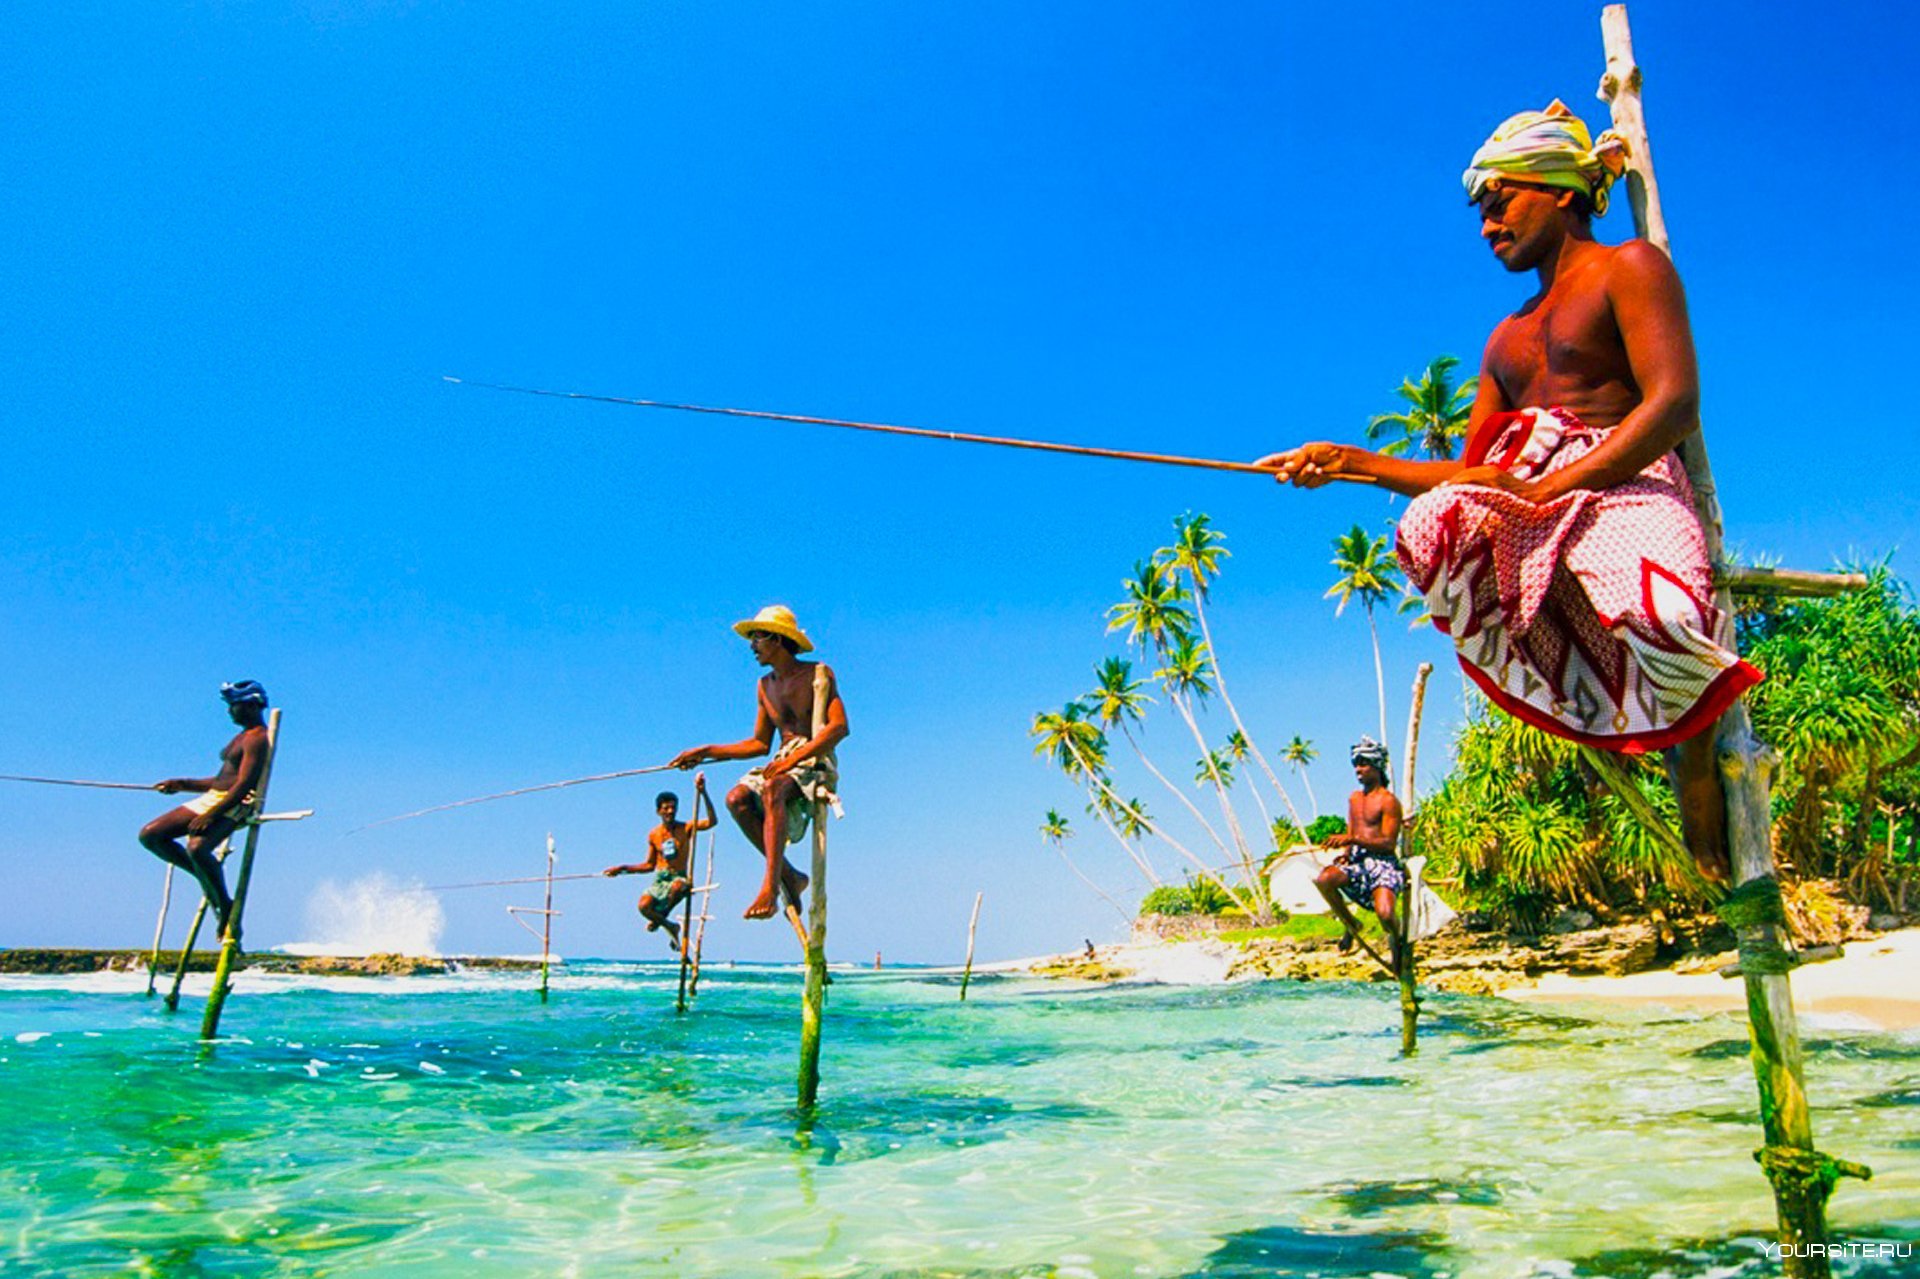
pixel 1564 349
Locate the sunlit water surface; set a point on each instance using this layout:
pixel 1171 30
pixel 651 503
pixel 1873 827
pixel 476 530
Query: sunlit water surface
pixel 459 1127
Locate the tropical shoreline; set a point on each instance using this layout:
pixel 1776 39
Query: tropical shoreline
pixel 1871 982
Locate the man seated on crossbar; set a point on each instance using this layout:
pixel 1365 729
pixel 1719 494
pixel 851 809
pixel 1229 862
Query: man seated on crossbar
pixel 1561 551
pixel 227 800
pixel 773 803
pixel 670 859
pixel 1368 871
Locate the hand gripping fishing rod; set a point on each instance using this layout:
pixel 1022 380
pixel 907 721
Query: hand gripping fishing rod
pixel 962 437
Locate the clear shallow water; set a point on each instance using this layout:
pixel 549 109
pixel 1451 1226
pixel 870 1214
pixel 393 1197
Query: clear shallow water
pixel 457 1127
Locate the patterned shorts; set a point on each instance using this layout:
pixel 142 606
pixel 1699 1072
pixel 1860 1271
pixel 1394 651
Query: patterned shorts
pixel 1368 871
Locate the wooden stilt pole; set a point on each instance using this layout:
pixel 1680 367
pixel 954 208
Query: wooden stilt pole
pixel 966 974
pixel 706 908
pixel 1404 970
pixel 546 923
pixel 814 993
pixel 230 935
pixel 193 937
pixel 159 927
pixel 686 916
pixel 1802 1178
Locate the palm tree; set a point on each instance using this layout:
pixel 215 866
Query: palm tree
pixel 1197 551
pixel 1216 764
pixel 1056 831
pixel 1369 573
pixel 1154 613
pixel 1116 700
pixel 1300 752
pixel 1185 678
pixel 1436 419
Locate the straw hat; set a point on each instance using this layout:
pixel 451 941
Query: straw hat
pixel 776 619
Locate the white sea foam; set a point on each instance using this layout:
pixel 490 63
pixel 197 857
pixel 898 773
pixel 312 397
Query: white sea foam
pixel 373 915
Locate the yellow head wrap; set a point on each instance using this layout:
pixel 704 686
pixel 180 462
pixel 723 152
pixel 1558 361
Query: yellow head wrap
pixel 1550 148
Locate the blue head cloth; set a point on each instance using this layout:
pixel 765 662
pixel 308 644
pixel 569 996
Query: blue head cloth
pixel 246 693
pixel 1368 751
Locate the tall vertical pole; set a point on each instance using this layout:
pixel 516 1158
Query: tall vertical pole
pixel 814 994
pixel 546 922
pixel 1801 1177
pixel 230 936
pixel 686 916
pixel 966 974
pixel 1409 987
pixel 706 906
pixel 160 927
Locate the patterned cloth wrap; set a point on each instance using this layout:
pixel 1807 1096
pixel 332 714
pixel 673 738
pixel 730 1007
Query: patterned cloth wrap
pixel 1368 870
pixel 816 778
pixel 1591 616
pixel 239 814
pixel 666 877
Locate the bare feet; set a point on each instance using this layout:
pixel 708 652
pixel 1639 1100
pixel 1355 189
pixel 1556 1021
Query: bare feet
pixel 763 905
pixel 673 937
pixel 1345 943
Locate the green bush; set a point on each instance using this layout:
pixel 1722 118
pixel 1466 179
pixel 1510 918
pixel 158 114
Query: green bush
pixel 1167 899
pixel 1327 824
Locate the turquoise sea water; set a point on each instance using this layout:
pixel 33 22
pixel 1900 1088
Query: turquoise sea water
pixel 458 1127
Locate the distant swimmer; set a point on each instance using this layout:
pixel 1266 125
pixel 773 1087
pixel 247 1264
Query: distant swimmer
pixel 773 803
pixel 1368 872
pixel 670 858
pixel 227 800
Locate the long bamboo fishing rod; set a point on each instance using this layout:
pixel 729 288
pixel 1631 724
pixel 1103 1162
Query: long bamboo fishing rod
pixel 67 781
pixel 508 794
pixel 962 437
pixel 535 879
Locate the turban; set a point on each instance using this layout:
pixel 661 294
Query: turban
pixel 246 693
pixel 1368 751
pixel 1548 148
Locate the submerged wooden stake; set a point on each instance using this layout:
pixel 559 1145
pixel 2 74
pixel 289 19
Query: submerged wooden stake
pixel 1409 991
pixel 546 923
pixel 686 916
pixel 193 936
pixel 966 974
pixel 230 935
pixel 1801 1177
pixel 700 933
pixel 813 996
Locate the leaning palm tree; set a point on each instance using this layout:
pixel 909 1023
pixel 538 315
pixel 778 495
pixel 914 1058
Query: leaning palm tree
pixel 1154 613
pixel 1436 417
pixel 1197 551
pixel 1185 678
pixel 1300 752
pixel 1215 765
pixel 1117 702
pixel 1369 573
pixel 1056 831
pixel 1079 749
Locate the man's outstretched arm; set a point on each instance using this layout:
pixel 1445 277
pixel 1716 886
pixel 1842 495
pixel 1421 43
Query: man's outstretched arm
pixel 747 748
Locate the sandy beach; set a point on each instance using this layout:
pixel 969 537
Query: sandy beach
pixel 1876 981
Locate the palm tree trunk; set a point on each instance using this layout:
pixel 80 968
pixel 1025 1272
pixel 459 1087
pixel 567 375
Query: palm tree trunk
pixel 1379 674
pixel 1099 892
pixel 1313 800
pixel 1226 805
pixel 1178 794
pixel 1206 872
pixel 1220 682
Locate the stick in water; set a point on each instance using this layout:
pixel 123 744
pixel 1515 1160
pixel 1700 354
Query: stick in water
pixel 961 437
pixel 509 794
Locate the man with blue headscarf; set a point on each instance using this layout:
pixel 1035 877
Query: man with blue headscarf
pixel 227 800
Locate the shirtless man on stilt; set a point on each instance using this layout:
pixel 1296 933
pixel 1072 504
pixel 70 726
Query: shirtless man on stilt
pixel 1561 551
pixel 773 803
pixel 227 799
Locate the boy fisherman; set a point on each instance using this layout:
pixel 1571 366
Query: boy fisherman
pixel 670 859
pixel 1561 550
pixel 226 801
pixel 1369 872
pixel 773 802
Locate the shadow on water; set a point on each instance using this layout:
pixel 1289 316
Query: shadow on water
pixel 877 1124
pixel 1292 1083
pixel 1864 1048
pixel 1295 1253
pixel 1371 1198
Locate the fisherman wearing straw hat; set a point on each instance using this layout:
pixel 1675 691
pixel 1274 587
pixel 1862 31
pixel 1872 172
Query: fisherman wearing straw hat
pixel 227 799
pixel 1561 551
pixel 773 803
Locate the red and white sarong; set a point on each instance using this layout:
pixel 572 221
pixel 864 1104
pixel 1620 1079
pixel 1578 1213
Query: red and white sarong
pixel 1591 616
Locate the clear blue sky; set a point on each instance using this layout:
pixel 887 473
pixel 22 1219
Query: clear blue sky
pixel 244 242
